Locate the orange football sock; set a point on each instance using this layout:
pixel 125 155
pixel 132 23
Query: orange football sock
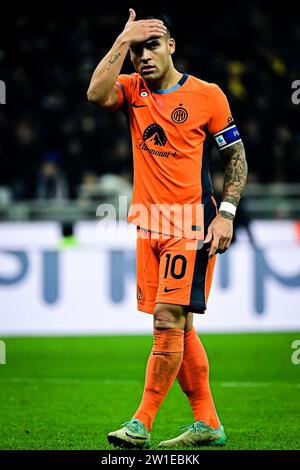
pixel 162 368
pixel 193 378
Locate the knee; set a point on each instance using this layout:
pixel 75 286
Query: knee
pixel 169 316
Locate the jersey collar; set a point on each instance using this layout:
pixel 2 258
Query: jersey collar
pixel 164 91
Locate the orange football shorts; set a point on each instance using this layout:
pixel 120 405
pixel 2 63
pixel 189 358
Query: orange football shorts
pixel 173 271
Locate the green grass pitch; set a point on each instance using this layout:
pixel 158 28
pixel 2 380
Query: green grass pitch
pixel 68 393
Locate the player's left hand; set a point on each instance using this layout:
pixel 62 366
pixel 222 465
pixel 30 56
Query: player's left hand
pixel 219 233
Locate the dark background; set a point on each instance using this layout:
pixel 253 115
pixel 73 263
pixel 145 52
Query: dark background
pixel 49 50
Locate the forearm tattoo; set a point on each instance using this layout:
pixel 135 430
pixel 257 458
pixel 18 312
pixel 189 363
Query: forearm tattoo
pixel 112 60
pixel 236 170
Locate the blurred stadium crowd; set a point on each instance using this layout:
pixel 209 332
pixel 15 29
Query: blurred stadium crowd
pixel 54 143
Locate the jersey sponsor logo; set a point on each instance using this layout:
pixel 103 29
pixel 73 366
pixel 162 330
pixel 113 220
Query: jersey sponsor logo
pixel 179 115
pixel 134 105
pixel 155 134
pixel 154 137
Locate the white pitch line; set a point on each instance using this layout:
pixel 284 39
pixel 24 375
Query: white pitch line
pixel 246 384
pixel 256 384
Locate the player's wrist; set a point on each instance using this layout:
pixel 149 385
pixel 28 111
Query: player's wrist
pixel 123 39
pixel 227 210
pixel 227 215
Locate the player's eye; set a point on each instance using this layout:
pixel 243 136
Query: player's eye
pixel 153 45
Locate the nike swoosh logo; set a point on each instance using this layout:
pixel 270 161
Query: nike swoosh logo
pixel 134 105
pixel 136 437
pixel 170 290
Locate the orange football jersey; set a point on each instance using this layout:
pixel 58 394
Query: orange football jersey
pixel 169 132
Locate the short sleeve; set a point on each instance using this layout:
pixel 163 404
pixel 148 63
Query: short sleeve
pixel 124 88
pixel 219 110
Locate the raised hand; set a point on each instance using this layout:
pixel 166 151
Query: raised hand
pixel 142 30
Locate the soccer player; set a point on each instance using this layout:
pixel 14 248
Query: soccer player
pixel 172 117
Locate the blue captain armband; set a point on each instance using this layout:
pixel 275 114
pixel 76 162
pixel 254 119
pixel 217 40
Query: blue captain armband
pixel 227 137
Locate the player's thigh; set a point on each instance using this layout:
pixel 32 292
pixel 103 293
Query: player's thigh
pixel 167 315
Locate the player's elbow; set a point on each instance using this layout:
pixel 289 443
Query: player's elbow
pixel 97 98
pixel 96 93
pixel 92 96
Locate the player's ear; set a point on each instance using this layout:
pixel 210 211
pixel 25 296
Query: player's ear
pixel 171 45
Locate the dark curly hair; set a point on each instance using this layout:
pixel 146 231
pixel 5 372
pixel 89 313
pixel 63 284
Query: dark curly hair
pixel 147 14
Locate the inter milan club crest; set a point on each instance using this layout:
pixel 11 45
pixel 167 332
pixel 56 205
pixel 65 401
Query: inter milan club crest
pixel 179 115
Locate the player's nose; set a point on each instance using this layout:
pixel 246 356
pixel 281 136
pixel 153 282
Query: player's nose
pixel 146 55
